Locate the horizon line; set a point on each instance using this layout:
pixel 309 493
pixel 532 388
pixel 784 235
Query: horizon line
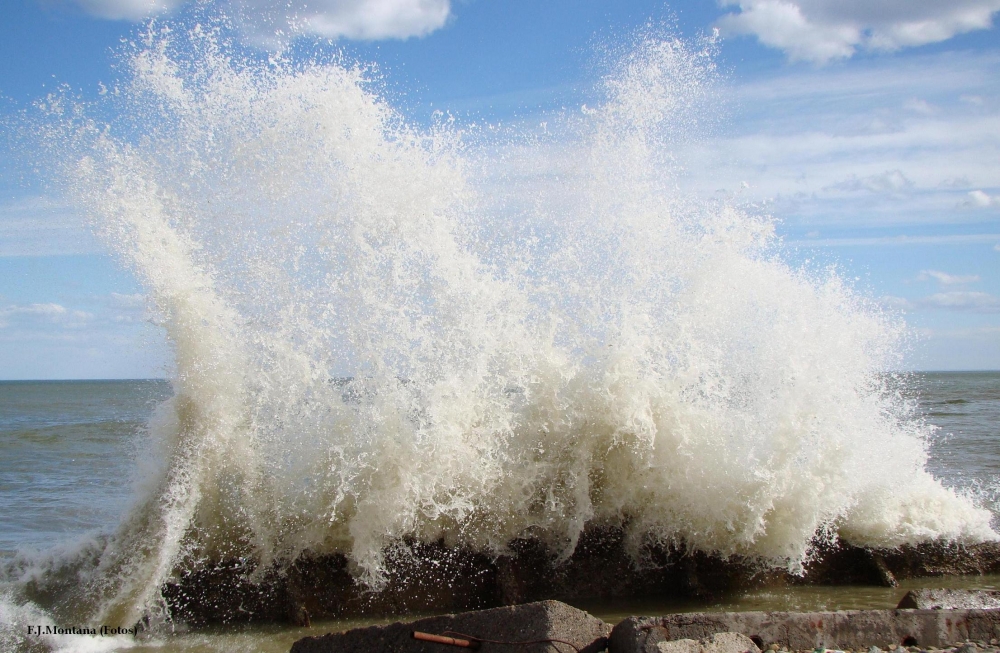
pixel 153 378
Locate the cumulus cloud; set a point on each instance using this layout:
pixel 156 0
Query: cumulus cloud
pixel 946 279
pixel 823 30
pixel 375 19
pixel 267 20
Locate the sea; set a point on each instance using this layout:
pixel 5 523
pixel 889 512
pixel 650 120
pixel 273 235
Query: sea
pixel 387 330
pixel 71 452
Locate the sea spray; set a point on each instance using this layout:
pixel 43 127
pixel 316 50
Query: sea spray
pixel 376 341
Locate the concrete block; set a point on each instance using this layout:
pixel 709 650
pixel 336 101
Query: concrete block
pixel 930 599
pixel 852 629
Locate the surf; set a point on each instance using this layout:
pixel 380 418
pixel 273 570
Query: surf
pixel 396 335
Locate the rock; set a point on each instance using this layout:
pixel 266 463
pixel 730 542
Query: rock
pixel 853 629
pixel 718 643
pixel 433 577
pixel 531 622
pixel 929 599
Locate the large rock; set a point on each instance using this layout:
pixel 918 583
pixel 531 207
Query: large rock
pixel 928 599
pixel 432 577
pixel 532 622
pixel 852 629
pixel 718 643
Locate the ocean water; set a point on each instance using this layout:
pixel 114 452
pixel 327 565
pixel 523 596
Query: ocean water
pixel 69 465
pixel 386 331
pixel 69 449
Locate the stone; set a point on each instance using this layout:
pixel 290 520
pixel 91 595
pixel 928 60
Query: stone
pixel 718 643
pixel 431 577
pixel 853 629
pixel 532 622
pixel 932 599
pixel 679 646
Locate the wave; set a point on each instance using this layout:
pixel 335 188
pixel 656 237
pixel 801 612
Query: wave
pixel 536 330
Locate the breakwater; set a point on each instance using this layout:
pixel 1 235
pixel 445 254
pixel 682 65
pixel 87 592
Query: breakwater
pixel 435 578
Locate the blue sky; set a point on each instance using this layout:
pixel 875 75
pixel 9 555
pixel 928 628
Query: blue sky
pixel 870 130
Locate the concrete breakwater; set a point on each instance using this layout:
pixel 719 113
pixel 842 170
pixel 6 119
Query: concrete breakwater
pixel 434 578
pixel 553 626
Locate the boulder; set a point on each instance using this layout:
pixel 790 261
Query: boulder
pixel 850 629
pixel 928 599
pixel 540 623
pixel 434 577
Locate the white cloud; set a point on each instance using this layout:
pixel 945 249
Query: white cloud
pixel 42 226
pixel 896 303
pixel 375 19
pixel 823 30
pixel 882 241
pixel 972 333
pixel 783 25
pixel 890 181
pixel 917 105
pixel 41 314
pixel 269 21
pixel 958 300
pixel 979 200
pixel 119 300
pixel 962 300
pixel 946 279
pixel 128 308
pixel 831 146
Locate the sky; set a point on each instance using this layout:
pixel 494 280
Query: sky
pixel 869 130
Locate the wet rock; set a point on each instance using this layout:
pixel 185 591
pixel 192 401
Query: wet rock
pixel 934 599
pixel 224 593
pixel 434 578
pixel 421 578
pixel 853 629
pixel 539 623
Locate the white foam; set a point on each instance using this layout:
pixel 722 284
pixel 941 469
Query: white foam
pixel 585 345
